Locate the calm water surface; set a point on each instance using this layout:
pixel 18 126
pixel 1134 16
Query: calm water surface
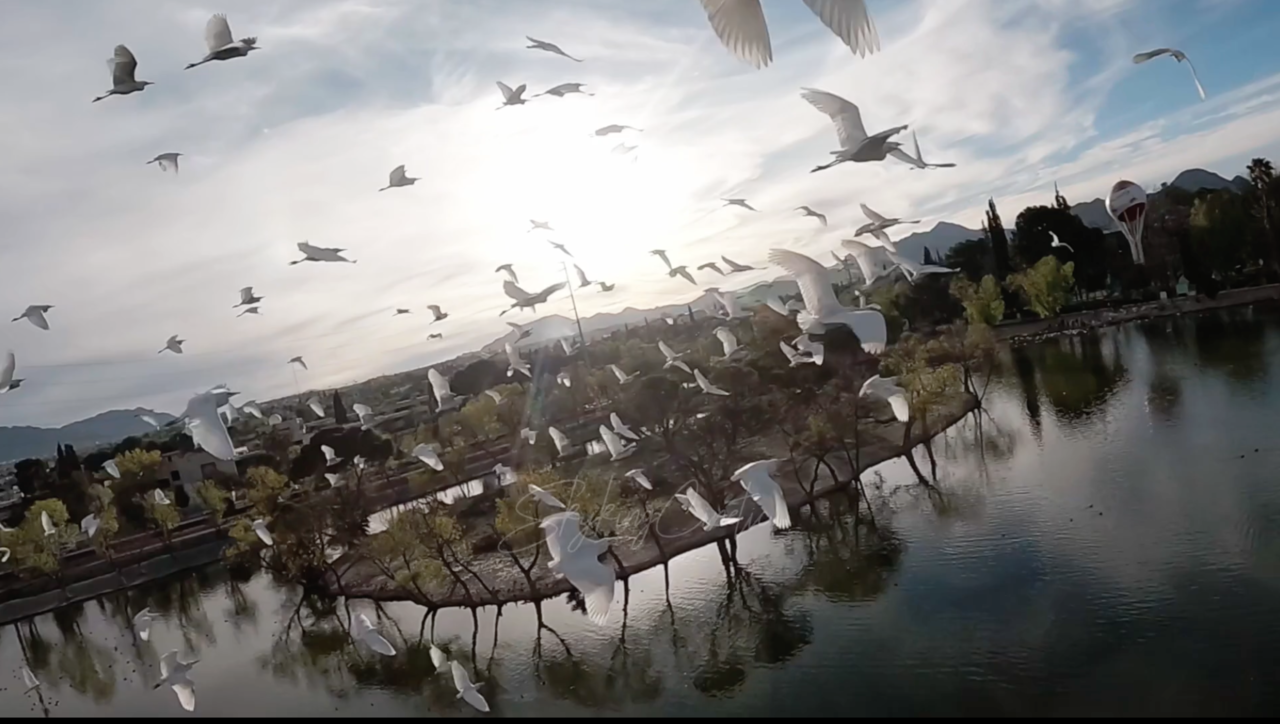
pixel 1105 540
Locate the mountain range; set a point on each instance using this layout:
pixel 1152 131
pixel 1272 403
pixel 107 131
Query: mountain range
pixel 25 441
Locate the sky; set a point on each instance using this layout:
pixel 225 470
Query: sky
pixel 293 142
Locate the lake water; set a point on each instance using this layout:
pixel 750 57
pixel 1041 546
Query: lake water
pixel 1105 540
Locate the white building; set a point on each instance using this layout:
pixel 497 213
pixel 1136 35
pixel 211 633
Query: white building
pixel 187 469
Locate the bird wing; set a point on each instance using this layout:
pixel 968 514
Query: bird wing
pixel 871 214
pixel 666 350
pixel 186 691
pixel 461 681
pixel 727 339
pixel 507 93
pixel 593 579
pixel 740 25
pixel 168 663
pixel 685 273
pixel 474 698
pixel 788 350
pixel 845 115
pixel 901 409
pixel 260 527
pixel 699 506
pixel 435 309
pixel 439 384
pixel 217 33
pixel 207 429
pixel 815 287
pixel 513 290
pixel 735 266
pixel 547 292
pixel 29 678
pixel 378 643
pixel 1144 57
pixel 246 294
pixel 869 325
pixel 582 276
pixel 397 174
pixel 850 21
pixel 617 372
pixel 764 490
pixel 611 441
pixel 123 66
pixel 6 372
pixel 519 91
pixel 559 438
pixel 1194 77
pixel 428 456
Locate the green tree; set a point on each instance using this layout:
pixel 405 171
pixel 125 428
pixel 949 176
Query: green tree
pixel 138 471
pixel 999 241
pixel 1262 180
pixel 102 505
pixel 214 499
pixel 39 552
pixel 339 409
pixel 1046 286
pixel 983 302
pixel 162 516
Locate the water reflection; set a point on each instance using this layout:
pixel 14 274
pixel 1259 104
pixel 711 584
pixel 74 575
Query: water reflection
pixel 1114 552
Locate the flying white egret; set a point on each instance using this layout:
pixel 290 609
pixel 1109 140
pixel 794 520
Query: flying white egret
pixel 150 421
pixel 855 145
pixel 728 341
pixel 563 378
pixel 544 497
pixel 729 300
pixel 535 44
pixel 1056 244
pixel 741 26
pixel 579 562
pixel 438 658
pixel 334 479
pixel 563 90
pixel 915 271
pixel 618 450
pixel 621 428
pixel 506 475
pixel 495 396
pixel 917 161
pixel 520 330
pixel 314 404
pixel 466 690
pixel 712 266
pixel 331 458
pixel 4 555
pixel 510 272
pixel 123 66
pixel 561 247
pixel 775 303
pixel 529 436
pixel 364 413
pixel 260 528
pixel 673 357
pixel 142 623
pixel 794 356
pixel 614 128
pixel 735 266
pixel 46 523
pixel 176 675
pixel 821 305
pixel 275 420
pixel 638 476
pixel 740 202
pixel 29 679
pixel 514 363
pixel 888 389
pixel 160 498
pixel 250 310
pixel 511 97
pixel 697 506
pixel 398 179
pixel 35 314
pixel 112 469
pixel 166 160
pixel 247 297
pixel 445 397
pixel 298 361
pixel 364 632
pixel 217 37
pixel 872 261
pixel 546 226
pixel 569 345
pixel 682 271
pixel 89 525
pixel 822 218
pixel 706 385
pixel 7 371
pixel 757 480
pixel 174 345
pixel 254 409
pixel 808 346
pixel 320 253
pixel 563 446
pixel 435 335
pixel 437 314
pixel 623 377
pixel 583 281
pixel 525 300
pixel 1177 55
pixel 661 254
pixel 879 222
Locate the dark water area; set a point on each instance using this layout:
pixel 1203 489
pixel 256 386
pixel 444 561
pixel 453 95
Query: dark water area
pixel 1103 539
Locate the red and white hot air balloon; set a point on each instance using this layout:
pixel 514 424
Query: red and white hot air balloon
pixel 1128 206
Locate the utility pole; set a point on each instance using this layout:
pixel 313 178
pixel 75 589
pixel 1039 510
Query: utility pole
pixel 582 338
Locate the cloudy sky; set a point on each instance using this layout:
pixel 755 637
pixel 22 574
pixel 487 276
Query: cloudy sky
pixel 292 143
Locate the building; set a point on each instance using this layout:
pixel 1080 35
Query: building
pixel 188 469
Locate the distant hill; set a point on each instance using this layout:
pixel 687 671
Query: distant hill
pixel 21 442
pixel 940 238
pixel 1094 213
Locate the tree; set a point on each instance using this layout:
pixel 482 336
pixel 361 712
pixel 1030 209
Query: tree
pixel 214 499
pixel 928 257
pixel 1046 286
pixel 339 409
pixel 33 549
pixel 102 506
pixel 1263 187
pixel 162 516
pixel 983 302
pixel 999 241
pixel 138 470
pixel 1060 201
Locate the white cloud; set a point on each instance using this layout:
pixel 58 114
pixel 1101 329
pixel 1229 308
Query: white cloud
pixel 292 143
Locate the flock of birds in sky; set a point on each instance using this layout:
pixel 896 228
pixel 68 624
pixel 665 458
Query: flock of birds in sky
pixel 741 26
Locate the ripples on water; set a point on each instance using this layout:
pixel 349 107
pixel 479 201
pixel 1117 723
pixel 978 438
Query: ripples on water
pixel 1104 539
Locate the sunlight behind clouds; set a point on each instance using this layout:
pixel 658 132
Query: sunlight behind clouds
pixel 293 143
